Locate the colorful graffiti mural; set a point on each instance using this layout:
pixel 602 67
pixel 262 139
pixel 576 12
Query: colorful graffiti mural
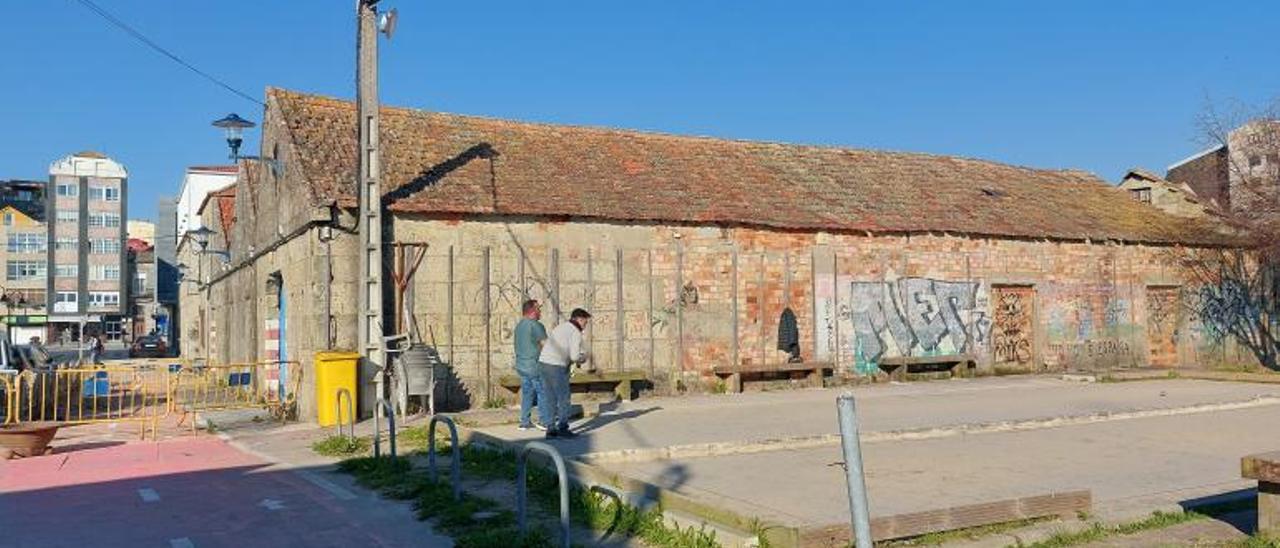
pixel 914 316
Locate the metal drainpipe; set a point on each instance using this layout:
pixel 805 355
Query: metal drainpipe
pixel 328 287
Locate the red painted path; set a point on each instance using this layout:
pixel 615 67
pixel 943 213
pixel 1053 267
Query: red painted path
pixel 196 491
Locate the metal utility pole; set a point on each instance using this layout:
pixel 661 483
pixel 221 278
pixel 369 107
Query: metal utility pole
pixel 369 334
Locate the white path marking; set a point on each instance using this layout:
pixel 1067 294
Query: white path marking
pixel 333 488
pixel 272 504
pixel 183 542
pixel 149 495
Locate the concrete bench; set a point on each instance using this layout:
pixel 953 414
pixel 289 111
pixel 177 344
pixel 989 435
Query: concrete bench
pixel 898 366
pixel 623 383
pixel 1265 467
pixel 815 372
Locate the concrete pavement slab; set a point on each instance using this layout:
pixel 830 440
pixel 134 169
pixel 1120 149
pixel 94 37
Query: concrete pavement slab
pixel 1161 460
pixel 758 417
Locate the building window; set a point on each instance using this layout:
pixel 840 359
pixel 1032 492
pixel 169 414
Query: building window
pixel 104 247
pixel 101 299
pixel 18 271
pixel 66 301
pixel 8 219
pixel 104 272
pixel 104 193
pixel 25 196
pixel 26 242
pixel 1141 194
pixel 66 270
pixel 99 220
pixel 66 244
pixel 140 283
pixel 68 216
pixel 1255 160
pixel 69 190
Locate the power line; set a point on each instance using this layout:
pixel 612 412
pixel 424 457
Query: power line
pixel 160 49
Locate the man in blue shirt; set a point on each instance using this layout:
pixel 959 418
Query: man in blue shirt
pixel 529 338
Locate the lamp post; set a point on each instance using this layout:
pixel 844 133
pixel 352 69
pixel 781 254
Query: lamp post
pixel 201 237
pixel 233 125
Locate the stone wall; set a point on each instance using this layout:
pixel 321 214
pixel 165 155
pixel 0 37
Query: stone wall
pixel 1011 304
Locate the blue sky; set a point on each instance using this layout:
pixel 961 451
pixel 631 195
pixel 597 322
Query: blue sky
pixel 1096 85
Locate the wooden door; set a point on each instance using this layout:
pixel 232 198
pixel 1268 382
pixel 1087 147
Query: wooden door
pixel 1163 322
pixel 1013 329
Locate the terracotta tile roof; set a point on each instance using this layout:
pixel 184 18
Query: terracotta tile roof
pixel 213 169
pixel 448 163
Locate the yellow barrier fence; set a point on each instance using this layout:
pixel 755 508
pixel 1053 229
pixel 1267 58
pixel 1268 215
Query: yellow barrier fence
pixel 8 397
pixel 89 395
pixel 272 385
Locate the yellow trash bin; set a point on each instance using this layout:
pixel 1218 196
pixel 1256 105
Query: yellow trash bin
pixel 335 370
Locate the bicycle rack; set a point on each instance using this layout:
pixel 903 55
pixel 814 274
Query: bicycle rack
pixel 455 453
pixel 383 406
pixel 351 412
pixel 521 464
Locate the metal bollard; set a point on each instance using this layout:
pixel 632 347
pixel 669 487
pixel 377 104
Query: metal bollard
pixel 521 471
pixel 853 470
pixel 455 453
pixel 383 406
pixel 351 411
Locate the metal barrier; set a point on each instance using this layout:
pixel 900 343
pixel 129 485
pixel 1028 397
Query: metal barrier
pixel 89 395
pixel 454 450
pixel 8 395
pixel 382 405
pixel 521 470
pixel 200 388
pixel 351 412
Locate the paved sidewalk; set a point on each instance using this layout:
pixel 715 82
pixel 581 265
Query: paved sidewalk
pixel 1137 446
pixel 763 416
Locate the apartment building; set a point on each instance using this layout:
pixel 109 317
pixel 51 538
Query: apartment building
pixel 23 253
pixel 86 201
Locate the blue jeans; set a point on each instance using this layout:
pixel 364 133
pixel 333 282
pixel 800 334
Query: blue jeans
pixel 531 393
pixel 554 409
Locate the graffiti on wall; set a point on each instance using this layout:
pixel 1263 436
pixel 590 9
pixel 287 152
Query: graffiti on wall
pixel 1011 333
pixel 1089 349
pixel 914 316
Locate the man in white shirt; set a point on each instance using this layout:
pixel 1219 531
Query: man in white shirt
pixel 562 349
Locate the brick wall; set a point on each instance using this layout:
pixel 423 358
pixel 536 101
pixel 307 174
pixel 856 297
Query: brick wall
pixel 857 298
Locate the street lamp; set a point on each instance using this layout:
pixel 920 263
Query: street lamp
pixel 233 125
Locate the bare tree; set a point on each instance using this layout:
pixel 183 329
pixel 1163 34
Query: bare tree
pixel 1235 289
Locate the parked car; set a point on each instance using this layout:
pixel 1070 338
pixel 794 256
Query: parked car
pixel 149 346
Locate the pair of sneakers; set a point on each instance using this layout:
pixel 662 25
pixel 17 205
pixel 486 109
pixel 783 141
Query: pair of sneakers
pixel 563 432
pixel 531 426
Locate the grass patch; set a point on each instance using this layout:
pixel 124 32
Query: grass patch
pixel 473 522
pixel 495 403
pixel 1157 520
pixel 341 446
pixel 397 479
pixel 970 533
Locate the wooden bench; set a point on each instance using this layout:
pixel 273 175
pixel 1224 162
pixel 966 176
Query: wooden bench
pixel 897 367
pixel 815 372
pixel 623 383
pixel 1265 467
